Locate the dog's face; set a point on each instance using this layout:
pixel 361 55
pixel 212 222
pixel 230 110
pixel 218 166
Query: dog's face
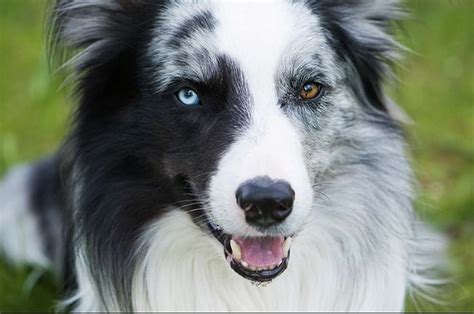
pixel 242 107
pixel 245 86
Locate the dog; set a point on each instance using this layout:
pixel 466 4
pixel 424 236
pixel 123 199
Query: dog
pixel 225 155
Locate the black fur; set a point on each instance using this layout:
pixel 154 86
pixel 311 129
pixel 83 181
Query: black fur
pixel 366 55
pixel 46 202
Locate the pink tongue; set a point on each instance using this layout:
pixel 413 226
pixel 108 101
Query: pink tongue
pixel 264 251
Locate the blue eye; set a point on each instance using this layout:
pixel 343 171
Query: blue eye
pixel 188 97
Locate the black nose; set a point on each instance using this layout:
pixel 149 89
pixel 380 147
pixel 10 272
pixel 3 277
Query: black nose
pixel 266 202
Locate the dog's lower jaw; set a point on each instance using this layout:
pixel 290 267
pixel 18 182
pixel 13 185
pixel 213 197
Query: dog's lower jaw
pixel 178 272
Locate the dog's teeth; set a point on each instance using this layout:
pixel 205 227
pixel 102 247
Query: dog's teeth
pixel 235 250
pixel 252 267
pixel 286 246
pixel 244 263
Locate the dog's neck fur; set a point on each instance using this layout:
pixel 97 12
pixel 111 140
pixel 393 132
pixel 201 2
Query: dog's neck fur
pixel 184 269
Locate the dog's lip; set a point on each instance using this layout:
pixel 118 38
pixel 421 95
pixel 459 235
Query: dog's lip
pixel 259 275
pixel 255 275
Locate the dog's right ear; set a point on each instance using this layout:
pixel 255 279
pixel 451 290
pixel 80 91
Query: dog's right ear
pixel 98 39
pixel 361 32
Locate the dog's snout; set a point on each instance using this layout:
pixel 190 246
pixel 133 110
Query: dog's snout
pixel 266 202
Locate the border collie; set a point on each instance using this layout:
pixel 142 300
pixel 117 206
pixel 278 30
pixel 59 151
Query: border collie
pixel 224 155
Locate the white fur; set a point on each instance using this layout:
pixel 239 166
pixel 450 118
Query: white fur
pixel 270 145
pixel 20 239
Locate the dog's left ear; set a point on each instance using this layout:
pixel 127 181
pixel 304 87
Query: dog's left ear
pixel 360 32
pixel 98 41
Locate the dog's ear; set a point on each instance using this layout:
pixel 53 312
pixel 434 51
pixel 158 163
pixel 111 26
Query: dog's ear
pixel 360 32
pixel 98 40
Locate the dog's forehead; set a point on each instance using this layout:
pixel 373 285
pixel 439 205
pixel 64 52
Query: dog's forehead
pixel 262 37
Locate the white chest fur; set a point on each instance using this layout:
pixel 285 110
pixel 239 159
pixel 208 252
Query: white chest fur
pixel 184 269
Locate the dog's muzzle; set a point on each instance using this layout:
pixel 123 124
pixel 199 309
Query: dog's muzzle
pixel 266 203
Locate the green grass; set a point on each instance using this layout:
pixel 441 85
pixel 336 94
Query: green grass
pixel 436 89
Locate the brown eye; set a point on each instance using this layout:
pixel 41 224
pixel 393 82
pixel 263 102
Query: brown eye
pixel 310 90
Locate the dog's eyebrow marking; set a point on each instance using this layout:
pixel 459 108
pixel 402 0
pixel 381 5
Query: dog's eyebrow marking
pixel 199 23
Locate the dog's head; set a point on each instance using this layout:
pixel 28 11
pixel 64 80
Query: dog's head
pixel 232 111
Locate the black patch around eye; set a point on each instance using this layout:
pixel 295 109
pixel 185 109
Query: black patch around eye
pixel 225 82
pixel 212 100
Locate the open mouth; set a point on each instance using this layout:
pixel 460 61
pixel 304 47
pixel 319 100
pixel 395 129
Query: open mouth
pixel 259 259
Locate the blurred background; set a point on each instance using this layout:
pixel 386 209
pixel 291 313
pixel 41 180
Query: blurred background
pixel 435 87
